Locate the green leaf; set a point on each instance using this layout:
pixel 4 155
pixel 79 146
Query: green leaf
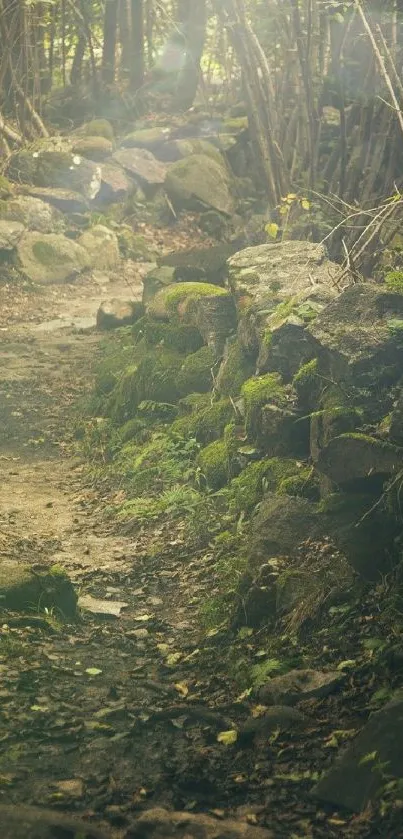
pixel 305 204
pixel 272 230
pixel 369 758
pixel 228 737
pixel 173 658
pixel 93 671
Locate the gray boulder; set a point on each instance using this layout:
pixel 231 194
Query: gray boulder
pixel 113 314
pixel 358 775
pixel 359 336
pixel 116 185
pixel 142 165
pixel 47 258
pixel 34 214
pixel 200 181
pixel 102 247
pixel 355 456
pixel 297 685
pixel 65 200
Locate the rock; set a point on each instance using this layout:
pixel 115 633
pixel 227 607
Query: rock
pixel 24 591
pixel 199 264
pixel 354 456
pixel 56 169
pixel 200 181
pixel 146 138
pixel 113 314
pixel 174 150
pixel 94 148
pixel 267 396
pixel 354 780
pixel 163 824
pixel 47 258
pixel 297 685
pixel 155 280
pixel 64 200
pixel 96 128
pixel 142 164
pixel 258 604
pixel 34 214
pixel 235 369
pixel 10 234
pixel 19 821
pixel 116 186
pixel 270 274
pixel 277 717
pixel 359 337
pixel 280 526
pixel 209 308
pixel 102 247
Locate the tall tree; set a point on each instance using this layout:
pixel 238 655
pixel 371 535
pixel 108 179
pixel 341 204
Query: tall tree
pixel 109 41
pixel 192 19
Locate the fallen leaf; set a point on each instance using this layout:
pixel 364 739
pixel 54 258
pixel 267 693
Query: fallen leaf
pixel 93 671
pixel 182 688
pixel 228 737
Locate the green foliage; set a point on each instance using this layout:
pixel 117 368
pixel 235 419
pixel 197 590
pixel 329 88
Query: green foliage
pixel 263 670
pixel 170 299
pixel 156 465
pixel 394 281
pixel 247 489
pixel 154 378
pixel 304 483
pixel 179 337
pixel 176 503
pixel 207 423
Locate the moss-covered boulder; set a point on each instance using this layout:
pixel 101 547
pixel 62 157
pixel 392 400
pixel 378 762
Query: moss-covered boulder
pixel 200 181
pixel 266 475
pixel 33 213
pixel 96 128
pixel 134 246
pixel 146 138
pixel 197 371
pixel 214 464
pixel 24 591
pixel 236 367
pixel 308 385
pixel 101 244
pixel 258 392
pixel 210 308
pixel 179 337
pixel 280 526
pixel 204 420
pixel 154 378
pixel 47 258
pixel 65 200
pixel 94 148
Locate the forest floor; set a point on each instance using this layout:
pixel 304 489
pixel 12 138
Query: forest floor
pixel 109 715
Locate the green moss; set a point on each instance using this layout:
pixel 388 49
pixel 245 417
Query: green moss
pixel 247 489
pixel 303 483
pixel 99 128
pixel 194 402
pixel 307 384
pixel 394 281
pixel 133 245
pixel 234 371
pixel 47 255
pixel 259 391
pixel 168 300
pixel 207 423
pixel 154 378
pixel 180 337
pixel 197 372
pixel 213 462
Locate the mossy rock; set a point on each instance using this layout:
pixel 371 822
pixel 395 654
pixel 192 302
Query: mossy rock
pixel 209 264
pixel 158 278
pixel 259 391
pixel 304 484
pixel 23 591
pixel 197 371
pixel 193 403
pixel 97 128
pixel 335 415
pixel 154 378
pixel 21 167
pixel 145 138
pixel 193 145
pixel 134 246
pixel 176 298
pixel 235 369
pixel 214 465
pixel 94 148
pixel 308 385
pixel 180 337
pixel 258 477
pixel 207 423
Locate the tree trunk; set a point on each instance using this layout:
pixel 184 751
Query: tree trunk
pixel 137 45
pixel 125 38
pixel 77 65
pixel 192 19
pixel 109 47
